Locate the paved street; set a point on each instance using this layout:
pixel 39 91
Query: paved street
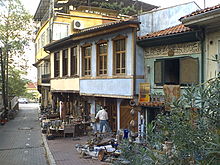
pixel 64 152
pixel 20 139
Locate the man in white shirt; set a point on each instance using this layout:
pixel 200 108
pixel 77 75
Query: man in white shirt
pixel 102 115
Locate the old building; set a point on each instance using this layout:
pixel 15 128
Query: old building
pixel 103 59
pixel 165 45
pixel 208 21
pixel 173 60
pixel 56 20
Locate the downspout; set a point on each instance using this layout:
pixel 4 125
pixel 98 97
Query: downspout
pixel 202 39
pixel 134 60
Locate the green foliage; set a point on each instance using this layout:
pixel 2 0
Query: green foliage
pixel 17 84
pixel 15 34
pixel 192 126
pixel 118 6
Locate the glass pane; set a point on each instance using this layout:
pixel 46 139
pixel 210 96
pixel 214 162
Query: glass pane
pixel 105 48
pixel 75 51
pixel 100 63
pixel 105 62
pixel 101 49
pixel 123 60
pixel 85 64
pixel 89 64
pixel 122 45
pixel 88 51
pixel 117 45
pixel 117 60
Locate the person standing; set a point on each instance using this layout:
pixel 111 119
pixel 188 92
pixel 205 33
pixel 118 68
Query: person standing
pixel 102 115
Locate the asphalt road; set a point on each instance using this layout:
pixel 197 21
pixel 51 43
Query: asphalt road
pixel 20 139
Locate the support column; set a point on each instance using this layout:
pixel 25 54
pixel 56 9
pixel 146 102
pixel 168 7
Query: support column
pixel 118 113
pixel 92 107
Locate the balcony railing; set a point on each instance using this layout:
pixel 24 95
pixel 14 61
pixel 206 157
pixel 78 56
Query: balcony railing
pixel 45 78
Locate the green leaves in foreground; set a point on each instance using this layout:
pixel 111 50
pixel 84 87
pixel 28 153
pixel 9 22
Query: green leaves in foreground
pixel 192 126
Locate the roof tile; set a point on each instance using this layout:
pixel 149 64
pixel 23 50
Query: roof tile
pixel 197 12
pixel 169 31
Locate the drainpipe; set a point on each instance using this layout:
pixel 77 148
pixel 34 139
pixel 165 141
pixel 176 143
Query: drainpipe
pixel 134 60
pixel 201 37
pixel 203 55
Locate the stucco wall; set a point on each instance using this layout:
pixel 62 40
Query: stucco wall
pixel 65 84
pixel 111 87
pixel 212 49
pixel 163 18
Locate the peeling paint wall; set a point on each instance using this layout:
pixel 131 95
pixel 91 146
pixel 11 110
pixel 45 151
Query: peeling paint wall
pixel 163 18
pixel 212 49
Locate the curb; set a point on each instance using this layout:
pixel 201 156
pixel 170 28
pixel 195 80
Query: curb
pixel 48 153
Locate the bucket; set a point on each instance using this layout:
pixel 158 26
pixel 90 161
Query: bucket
pixel 126 131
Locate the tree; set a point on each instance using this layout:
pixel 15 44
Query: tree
pixel 17 84
pixel 15 34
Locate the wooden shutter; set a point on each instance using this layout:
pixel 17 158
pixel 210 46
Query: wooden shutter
pixel 189 70
pixel 158 76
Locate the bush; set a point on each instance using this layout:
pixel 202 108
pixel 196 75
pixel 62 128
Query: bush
pixel 191 126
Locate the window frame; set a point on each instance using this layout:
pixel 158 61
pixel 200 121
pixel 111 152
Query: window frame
pixel 180 71
pixel 73 62
pixel 65 62
pixel 60 30
pixel 88 58
pixel 103 56
pixel 57 64
pixel 120 52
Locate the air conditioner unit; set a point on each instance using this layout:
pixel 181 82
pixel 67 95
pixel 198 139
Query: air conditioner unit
pixel 78 24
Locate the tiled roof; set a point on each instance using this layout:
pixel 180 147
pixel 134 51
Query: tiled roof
pixel 169 31
pixel 208 9
pixel 104 25
pixel 32 85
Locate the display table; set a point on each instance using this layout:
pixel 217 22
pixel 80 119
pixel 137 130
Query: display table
pixel 55 132
pixel 76 129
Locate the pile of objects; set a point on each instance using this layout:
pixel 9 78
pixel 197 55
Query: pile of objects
pixel 103 147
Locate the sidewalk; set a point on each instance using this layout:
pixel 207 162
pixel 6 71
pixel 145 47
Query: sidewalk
pixel 64 152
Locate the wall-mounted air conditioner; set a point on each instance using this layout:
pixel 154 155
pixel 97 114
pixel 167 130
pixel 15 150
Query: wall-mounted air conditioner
pixel 78 24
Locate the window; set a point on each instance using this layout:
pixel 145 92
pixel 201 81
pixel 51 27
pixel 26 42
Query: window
pixel 46 68
pixel 119 56
pixel 39 45
pixel 176 71
pixel 65 62
pixel 102 58
pixel 43 39
pixel 73 56
pixel 60 31
pixel 48 36
pixel 86 60
pixel 56 64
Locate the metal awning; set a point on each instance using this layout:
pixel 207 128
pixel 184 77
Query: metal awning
pixel 42 9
